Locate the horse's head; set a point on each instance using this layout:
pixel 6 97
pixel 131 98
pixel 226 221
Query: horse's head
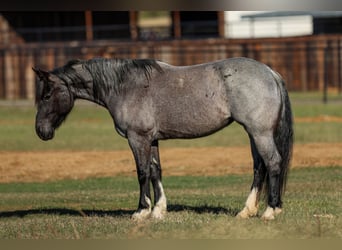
pixel 54 102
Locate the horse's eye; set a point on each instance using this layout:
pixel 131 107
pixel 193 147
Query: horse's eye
pixel 46 97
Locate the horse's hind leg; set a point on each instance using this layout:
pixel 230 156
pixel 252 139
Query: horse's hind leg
pixel 251 205
pixel 159 209
pixel 267 149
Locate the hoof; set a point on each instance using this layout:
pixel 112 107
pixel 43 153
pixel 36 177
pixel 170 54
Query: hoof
pixel 141 214
pixel 158 213
pixel 246 212
pixel 270 213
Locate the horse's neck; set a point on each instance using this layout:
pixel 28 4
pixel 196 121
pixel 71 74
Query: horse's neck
pixel 85 90
pixel 88 94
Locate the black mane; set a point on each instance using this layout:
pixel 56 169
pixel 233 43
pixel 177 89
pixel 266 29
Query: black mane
pixel 107 74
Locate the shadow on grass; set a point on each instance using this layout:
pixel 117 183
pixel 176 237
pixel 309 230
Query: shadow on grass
pixel 204 209
pixel 115 213
pixel 66 211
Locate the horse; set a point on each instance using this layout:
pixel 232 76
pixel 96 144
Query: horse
pixel 150 100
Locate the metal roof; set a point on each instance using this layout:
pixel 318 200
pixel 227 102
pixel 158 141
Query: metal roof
pixel 314 14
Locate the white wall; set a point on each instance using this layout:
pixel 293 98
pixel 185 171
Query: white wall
pixel 236 27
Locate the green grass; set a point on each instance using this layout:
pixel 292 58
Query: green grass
pixel 318 132
pixel 90 127
pixel 311 105
pixel 199 207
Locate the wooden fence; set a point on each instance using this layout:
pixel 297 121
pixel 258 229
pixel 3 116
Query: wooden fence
pixel 306 63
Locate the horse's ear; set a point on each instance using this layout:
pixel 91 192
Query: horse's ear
pixel 42 74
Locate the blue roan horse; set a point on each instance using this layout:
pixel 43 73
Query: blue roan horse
pixel 150 100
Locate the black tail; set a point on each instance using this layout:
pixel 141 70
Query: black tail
pixel 283 134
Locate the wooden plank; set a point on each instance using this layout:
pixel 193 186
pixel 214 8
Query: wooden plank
pixel 2 75
pixel 177 24
pixel 9 76
pixel 133 21
pixel 89 25
pixel 30 77
pixel 321 64
pixel 221 24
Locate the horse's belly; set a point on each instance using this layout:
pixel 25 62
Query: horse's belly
pixel 193 122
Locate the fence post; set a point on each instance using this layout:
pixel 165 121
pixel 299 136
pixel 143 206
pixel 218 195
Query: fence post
pixel 133 19
pixel 320 63
pixel 325 71
pixel 89 25
pixel 9 76
pixel 339 54
pixel 30 76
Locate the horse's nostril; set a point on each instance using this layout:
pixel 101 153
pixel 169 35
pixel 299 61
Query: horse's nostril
pixel 45 132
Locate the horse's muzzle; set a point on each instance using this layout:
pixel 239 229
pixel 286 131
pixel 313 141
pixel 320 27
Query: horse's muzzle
pixel 45 132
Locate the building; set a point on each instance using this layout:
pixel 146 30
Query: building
pixel 50 26
pixel 257 24
pixel 163 25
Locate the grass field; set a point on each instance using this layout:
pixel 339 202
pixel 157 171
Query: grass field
pixel 199 206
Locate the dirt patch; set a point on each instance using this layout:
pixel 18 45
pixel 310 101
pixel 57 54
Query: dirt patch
pixel 47 166
pixel 321 118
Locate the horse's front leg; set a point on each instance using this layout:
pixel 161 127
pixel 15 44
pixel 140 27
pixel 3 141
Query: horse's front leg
pixel 159 209
pixel 141 148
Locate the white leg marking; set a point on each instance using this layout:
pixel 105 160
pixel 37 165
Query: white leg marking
pixel 270 213
pixel 154 161
pixel 159 209
pixel 143 213
pixel 278 210
pixel 251 206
